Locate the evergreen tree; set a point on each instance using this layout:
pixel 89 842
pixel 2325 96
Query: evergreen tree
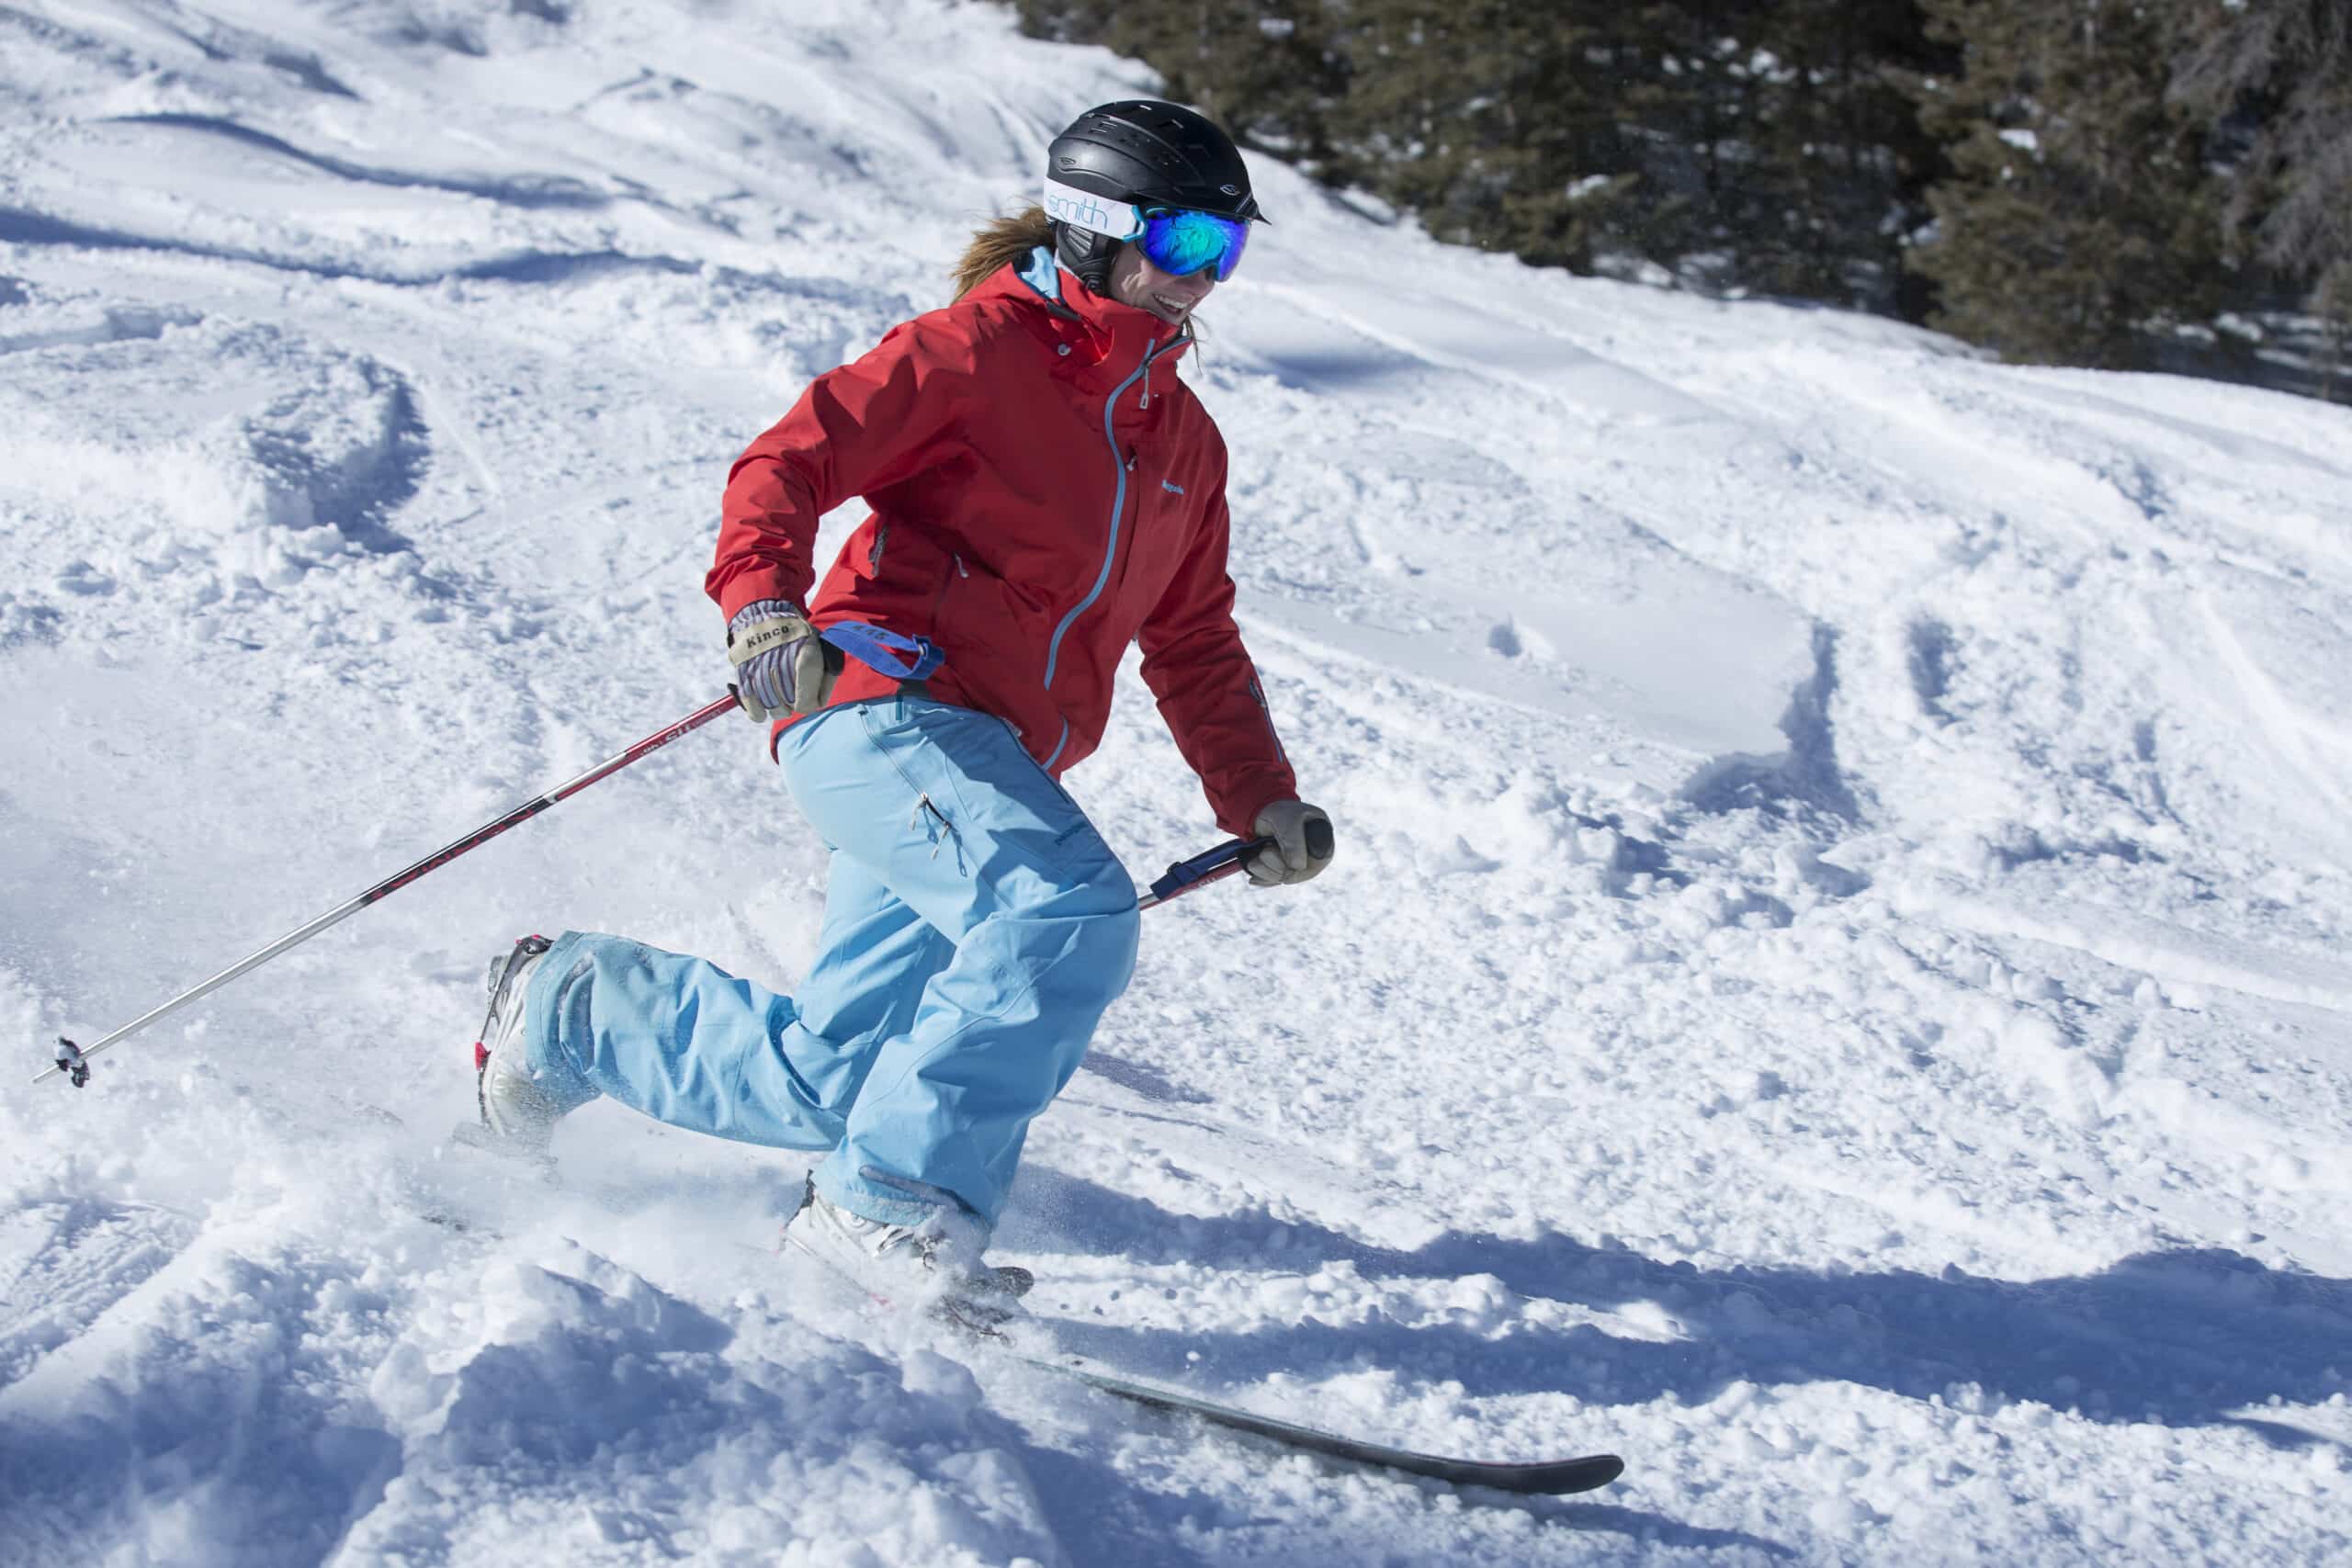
pixel 2079 212
pixel 1841 168
pixel 1489 119
pixel 2061 179
pixel 2274 79
pixel 1757 144
pixel 1262 69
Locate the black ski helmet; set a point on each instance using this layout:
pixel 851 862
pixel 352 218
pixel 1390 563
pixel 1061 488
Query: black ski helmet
pixel 1149 153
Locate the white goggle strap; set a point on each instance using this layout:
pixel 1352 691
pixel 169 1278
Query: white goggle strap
pixel 1095 214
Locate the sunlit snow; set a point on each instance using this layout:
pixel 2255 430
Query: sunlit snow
pixel 1835 986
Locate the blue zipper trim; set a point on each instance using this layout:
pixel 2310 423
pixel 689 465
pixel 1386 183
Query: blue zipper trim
pixel 1118 509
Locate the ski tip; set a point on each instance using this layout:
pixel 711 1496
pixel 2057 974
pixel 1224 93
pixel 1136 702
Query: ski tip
pixel 1527 1478
pixel 1598 1469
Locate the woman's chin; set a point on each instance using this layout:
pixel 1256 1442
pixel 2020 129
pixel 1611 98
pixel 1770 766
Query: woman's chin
pixel 1166 310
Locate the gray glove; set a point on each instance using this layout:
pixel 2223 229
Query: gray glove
pixel 782 666
pixel 1302 836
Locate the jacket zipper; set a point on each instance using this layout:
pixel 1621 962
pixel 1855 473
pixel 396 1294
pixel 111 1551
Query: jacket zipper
pixel 1110 551
pixel 1265 711
pixel 946 580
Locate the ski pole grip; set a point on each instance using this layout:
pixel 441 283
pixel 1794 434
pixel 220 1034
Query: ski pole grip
pixel 1225 860
pixel 1209 865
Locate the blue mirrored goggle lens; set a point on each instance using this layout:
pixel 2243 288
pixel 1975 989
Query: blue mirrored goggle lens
pixel 1184 243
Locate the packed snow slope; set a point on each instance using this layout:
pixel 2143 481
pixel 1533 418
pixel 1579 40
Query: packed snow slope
pixel 1834 984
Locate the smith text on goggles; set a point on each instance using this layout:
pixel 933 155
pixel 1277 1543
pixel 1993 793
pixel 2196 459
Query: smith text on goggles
pixel 1181 241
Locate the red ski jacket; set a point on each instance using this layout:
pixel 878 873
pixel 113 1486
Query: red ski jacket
pixel 1045 490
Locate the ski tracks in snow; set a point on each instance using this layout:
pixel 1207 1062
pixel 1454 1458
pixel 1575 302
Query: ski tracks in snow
pixel 68 1261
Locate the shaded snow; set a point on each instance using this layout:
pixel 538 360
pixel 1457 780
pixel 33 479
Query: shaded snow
pixel 1835 986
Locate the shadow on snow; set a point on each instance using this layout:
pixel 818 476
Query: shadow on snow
pixel 519 190
pixel 2186 1338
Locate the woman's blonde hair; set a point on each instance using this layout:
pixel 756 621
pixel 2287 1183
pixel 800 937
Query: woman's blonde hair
pixel 1001 241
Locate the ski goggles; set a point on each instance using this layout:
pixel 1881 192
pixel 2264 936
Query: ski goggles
pixel 1179 241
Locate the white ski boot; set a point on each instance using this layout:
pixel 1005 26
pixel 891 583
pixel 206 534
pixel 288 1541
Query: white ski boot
pixel 517 1115
pixel 934 1267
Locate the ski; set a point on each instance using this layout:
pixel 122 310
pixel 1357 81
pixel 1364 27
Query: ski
pixel 1554 1477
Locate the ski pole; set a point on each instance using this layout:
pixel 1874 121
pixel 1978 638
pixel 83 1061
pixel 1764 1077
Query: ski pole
pixel 1217 864
pixel 73 1060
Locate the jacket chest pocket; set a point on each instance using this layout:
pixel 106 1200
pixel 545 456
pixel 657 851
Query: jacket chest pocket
pixel 1163 525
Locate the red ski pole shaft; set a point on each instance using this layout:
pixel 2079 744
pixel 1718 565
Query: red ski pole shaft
pixel 72 1059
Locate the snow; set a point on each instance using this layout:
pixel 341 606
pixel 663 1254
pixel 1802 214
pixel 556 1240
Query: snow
pixel 1835 986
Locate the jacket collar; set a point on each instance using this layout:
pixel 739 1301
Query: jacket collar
pixel 1119 337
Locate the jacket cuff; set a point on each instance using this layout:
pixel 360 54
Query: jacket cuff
pixel 1239 824
pixel 750 589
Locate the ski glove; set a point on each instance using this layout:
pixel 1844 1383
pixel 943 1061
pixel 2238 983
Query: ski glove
pixel 782 666
pixel 1299 833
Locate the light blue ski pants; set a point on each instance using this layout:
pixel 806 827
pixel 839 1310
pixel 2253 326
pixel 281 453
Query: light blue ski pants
pixel 976 927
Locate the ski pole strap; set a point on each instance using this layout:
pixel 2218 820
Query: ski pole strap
pixel 893 653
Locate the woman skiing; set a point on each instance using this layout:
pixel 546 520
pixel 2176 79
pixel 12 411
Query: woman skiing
pixel 1045 490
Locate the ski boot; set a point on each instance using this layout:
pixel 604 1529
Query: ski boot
pixel 518 1116
pixel 934 1267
